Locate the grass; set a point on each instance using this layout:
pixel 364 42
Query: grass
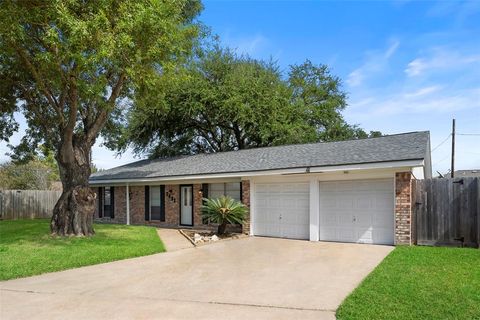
pixel 26 247
pixel 419 283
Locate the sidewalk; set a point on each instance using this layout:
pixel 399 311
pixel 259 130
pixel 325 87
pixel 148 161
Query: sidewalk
pixel 173 239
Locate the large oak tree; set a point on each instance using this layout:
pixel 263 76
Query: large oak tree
pixel 220 101
pixel 73 66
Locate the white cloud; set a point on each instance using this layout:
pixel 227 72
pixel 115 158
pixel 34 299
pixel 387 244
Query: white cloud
pixel 376 62
pixel 392 49
pixel 422 101
pixel 440 59
pixel 423 91
pixel 355 78
pixel 428 108
pixel 416 67
pixel 250 45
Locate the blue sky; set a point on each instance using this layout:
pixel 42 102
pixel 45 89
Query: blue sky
pixel 406 65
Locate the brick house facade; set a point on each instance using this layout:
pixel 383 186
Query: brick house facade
pixel 357 190
pixel 403 207
pixel 171 202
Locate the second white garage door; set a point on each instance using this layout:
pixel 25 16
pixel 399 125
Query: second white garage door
pixel 282 210
pixel 357 211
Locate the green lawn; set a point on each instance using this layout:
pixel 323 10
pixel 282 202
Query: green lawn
pixel 419 283
pixel 26 247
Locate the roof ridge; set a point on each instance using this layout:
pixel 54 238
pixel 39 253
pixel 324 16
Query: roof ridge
pixel 307 143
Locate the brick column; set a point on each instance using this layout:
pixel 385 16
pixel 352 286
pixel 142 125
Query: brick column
pixel 246 201
pixel 403 208
pixel 137 204
pixel 172 204
pixel 197 204
pixel 120 205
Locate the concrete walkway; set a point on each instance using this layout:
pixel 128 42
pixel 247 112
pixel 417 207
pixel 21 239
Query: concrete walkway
pixel 250 278
pixel 173 239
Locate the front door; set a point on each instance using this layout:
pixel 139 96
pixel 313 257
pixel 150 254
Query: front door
pixel 186 205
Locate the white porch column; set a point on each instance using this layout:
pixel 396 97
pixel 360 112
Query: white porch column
pixel 127 197
pixel 314 209
pixel 252 205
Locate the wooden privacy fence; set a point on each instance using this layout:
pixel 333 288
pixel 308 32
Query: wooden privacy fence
pixel 27 204
pixel 447 211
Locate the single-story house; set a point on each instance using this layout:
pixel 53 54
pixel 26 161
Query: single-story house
pixel 466 173
pixel 349 191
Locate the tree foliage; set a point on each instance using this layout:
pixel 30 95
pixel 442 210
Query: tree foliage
pixel 221 101
pixel 72 67
pixel 33 175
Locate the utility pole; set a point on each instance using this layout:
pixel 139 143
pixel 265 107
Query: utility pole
pixel 452 169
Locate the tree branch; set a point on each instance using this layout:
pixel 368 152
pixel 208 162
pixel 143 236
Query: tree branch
pixel 102 116
pixel 67 152
pixel 48 94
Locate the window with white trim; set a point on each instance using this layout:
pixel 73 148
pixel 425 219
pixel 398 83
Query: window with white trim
pixel 229 189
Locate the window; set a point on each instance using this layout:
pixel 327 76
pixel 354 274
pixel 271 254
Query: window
pixel 106 202
pixel 232 190
pixel 154 203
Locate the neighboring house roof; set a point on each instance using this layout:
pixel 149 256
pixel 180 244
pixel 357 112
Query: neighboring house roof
pixel 467 173
pixel 399 147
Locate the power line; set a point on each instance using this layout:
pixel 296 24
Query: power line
pixel 468 134
pixel 446 139
pixel 440 161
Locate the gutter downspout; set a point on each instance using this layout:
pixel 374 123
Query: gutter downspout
pixel 127 196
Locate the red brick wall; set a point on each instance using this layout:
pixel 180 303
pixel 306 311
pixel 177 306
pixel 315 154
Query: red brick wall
pixel 120 205
pixel 137 204
pixel 172 205
pixel 120 214
pixel 197 204
pixel 246 201
pixel 403 208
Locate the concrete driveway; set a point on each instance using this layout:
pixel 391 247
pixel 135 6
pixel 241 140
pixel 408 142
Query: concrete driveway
pixel 252 278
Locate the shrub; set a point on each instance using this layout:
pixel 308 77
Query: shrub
pixel 223 211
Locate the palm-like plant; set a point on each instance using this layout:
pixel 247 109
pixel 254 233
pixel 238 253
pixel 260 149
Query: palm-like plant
pixel 223 211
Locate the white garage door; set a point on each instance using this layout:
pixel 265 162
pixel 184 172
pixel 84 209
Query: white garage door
pixel 357 211
pixel 282 210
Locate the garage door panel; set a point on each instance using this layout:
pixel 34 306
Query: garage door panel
pixel 363 220
pixel 357 211
pixel 345 234
pixel 282 210
pixel 379 236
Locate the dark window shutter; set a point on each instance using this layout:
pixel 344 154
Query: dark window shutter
pixel 204 195
pixel 205 190
pixel 112 202
pixel 162 203
pixel 241 192
pixel 147 203
pixel 100 202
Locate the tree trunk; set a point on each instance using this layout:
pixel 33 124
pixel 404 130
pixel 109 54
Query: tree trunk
pixel 221 228
pixel 73 213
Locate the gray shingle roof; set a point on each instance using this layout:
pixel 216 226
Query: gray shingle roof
pixel 406 146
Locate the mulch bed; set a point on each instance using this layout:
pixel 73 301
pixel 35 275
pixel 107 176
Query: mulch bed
pixel 202 237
